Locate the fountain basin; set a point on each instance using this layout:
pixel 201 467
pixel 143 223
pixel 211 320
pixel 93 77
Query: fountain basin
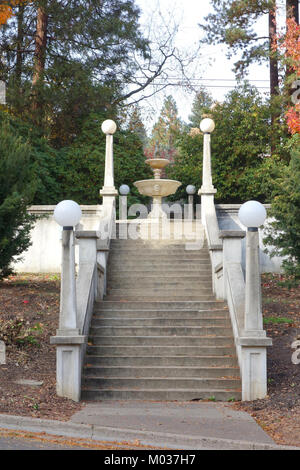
pixel 158 163
pixel 157 187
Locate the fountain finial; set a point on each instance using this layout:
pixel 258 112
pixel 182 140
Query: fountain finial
pixel 156 150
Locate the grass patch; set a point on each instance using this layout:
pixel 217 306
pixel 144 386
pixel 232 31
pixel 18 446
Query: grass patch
pixel 277 320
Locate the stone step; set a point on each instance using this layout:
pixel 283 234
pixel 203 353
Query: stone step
pixel 161 331
pixel 161 341
pixel 161 395
pixel 183 276
pixel 221 348
pixel 136 314
pixel 162 246
pixel 154 361
pixel 161 298
pixel 161 290
pixel 100 383
pixel 165 284
pixel 157 256
pixel 156 305
pixel 140 322
pixel 166 270
pixel 158 262
pixel 155 251
pixel 93 370
pixel 160 235
pixel 163 243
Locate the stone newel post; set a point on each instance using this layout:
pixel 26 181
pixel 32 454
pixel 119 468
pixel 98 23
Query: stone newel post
pixel 253 307
pixel 253 342
pixel 109 128
pixel 207 190
pixel 190 189
pixel 68 310
pixel 68 339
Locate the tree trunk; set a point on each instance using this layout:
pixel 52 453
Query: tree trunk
pixel 274 79
pixel 292 10
pixel 20 39
pixel 39 61
pixel 274 74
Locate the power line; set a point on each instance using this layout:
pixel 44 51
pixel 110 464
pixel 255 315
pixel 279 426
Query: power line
pixel 206 86
pixel 213 79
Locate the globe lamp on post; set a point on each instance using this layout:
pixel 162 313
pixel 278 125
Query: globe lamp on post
pixel 252 215
pixel 190 189
pixel 109 128
pixel 68 214
pixel 124 190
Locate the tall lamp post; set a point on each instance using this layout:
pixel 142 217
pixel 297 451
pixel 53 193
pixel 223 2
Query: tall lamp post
pixel 253 341
pixel 252 214
pixel 68 214
pixel 124 190
pixel 190 189
pixel 207 190
pixel 109 128
pixel 68 339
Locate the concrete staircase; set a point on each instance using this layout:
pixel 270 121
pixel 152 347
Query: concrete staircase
pixel 160 334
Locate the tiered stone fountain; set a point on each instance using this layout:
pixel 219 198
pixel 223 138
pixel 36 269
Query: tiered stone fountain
pixel 157 188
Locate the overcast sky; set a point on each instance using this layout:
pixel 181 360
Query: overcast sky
pixel 212 65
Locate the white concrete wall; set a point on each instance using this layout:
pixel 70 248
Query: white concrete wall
pixel 44 255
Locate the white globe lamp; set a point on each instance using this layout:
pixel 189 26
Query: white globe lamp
pixel 109 127
pixel 190 189
pixel 124 190
pixel 67 214
pixel 207 126
pixel 252 214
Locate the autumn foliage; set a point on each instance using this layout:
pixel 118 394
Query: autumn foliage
pixel 6 9
pixel 291 45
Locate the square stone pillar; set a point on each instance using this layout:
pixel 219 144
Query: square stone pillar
pixel 232 250
pixel 68 365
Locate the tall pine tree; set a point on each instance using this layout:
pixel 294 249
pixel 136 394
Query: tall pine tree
pixel 165 131
pixel 17 188
pixel 63 59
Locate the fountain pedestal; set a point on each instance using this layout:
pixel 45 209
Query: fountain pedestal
pixel 157 188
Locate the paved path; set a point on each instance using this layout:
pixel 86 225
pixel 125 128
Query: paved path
pixel 212 420
pixel 171 425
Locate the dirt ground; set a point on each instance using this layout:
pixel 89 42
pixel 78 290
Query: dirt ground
pixel 29 307
pixel 279 413
pixel 33 302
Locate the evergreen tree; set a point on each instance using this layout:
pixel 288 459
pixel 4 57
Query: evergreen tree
pixel 232 24
pixel 165 131
pixel 84 161
pixel 201 105
pixel 284 232
pixel 16 192
pixel 242 165
pixel 136 125
pixel 64 59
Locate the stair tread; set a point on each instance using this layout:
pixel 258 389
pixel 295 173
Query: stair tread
pixel 95 366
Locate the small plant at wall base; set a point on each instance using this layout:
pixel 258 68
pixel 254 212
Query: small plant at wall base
pixel 17 332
